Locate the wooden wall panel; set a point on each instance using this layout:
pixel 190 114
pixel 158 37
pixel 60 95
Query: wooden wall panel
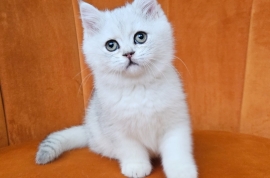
pixel 40 68
pixel 3 129
pixel 256 101
pixel 211 38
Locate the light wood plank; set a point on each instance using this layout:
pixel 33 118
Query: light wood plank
pixel 211 39
pixel 39 69
pixel 3 128
pixel 255 117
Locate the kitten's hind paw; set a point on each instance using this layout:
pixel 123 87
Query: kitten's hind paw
pixel 136 169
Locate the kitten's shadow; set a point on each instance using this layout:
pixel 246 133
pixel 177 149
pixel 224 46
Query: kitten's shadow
pixel 157 167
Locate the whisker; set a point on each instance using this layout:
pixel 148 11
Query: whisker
pixel 173 68
pixel 184 65
pixel 80 72
pixel 153 64
pixel 84 81
pixel 149 70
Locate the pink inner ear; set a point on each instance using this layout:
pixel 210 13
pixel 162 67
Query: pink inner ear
pixel 90 18
pixel 92 21
pixel 150 8
pixel 91 25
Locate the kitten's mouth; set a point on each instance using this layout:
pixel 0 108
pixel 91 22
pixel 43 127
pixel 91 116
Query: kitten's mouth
pixel 131 63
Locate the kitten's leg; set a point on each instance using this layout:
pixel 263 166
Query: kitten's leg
pixel 176 153
pixel 134 159
pixel 58 142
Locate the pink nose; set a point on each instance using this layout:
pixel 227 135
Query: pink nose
pixel 128 55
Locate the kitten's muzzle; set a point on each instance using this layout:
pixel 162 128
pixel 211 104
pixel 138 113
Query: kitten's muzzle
pixel 129 56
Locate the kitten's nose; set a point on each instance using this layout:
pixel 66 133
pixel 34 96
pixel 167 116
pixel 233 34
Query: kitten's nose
pixel 129 54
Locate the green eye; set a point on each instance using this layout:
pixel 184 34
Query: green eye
pixel 112 45
pixel 140 38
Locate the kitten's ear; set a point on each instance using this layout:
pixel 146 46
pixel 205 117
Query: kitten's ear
pixel 91 17
pixel 149 8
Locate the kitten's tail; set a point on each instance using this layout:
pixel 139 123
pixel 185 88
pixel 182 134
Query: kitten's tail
pixel 58 142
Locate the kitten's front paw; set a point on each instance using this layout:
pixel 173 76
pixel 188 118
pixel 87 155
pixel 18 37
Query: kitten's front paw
pixel 136 169
pixel 184 171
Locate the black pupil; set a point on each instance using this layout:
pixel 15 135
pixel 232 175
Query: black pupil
pixel 141 36
pixel 111 44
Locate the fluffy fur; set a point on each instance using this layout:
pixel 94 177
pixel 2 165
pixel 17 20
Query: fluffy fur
pixel 138 110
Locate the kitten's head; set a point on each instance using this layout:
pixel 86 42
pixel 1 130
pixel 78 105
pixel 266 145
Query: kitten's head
pixel 133 41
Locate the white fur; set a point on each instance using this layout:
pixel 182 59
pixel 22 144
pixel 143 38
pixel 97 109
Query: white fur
pixel 136 112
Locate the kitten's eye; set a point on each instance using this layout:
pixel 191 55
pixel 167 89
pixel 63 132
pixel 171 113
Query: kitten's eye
pixel 112 45
pixel 140 38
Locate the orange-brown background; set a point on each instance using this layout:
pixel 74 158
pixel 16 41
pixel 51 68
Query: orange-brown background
pixel 225 45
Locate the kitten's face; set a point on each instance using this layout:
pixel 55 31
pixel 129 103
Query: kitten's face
pixel 131 41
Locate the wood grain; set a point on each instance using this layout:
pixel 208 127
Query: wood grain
pixel 40 67
pixel 3 128
pixel 255 117
pixel 211 39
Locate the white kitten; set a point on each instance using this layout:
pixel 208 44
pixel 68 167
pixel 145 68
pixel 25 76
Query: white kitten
pixel 138 109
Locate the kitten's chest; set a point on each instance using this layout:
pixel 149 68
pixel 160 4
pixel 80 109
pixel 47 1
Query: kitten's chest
pixel 139 115
pixel 137 101
pixel 140 112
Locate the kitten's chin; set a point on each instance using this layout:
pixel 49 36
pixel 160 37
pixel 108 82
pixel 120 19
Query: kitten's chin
pixel 133 70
